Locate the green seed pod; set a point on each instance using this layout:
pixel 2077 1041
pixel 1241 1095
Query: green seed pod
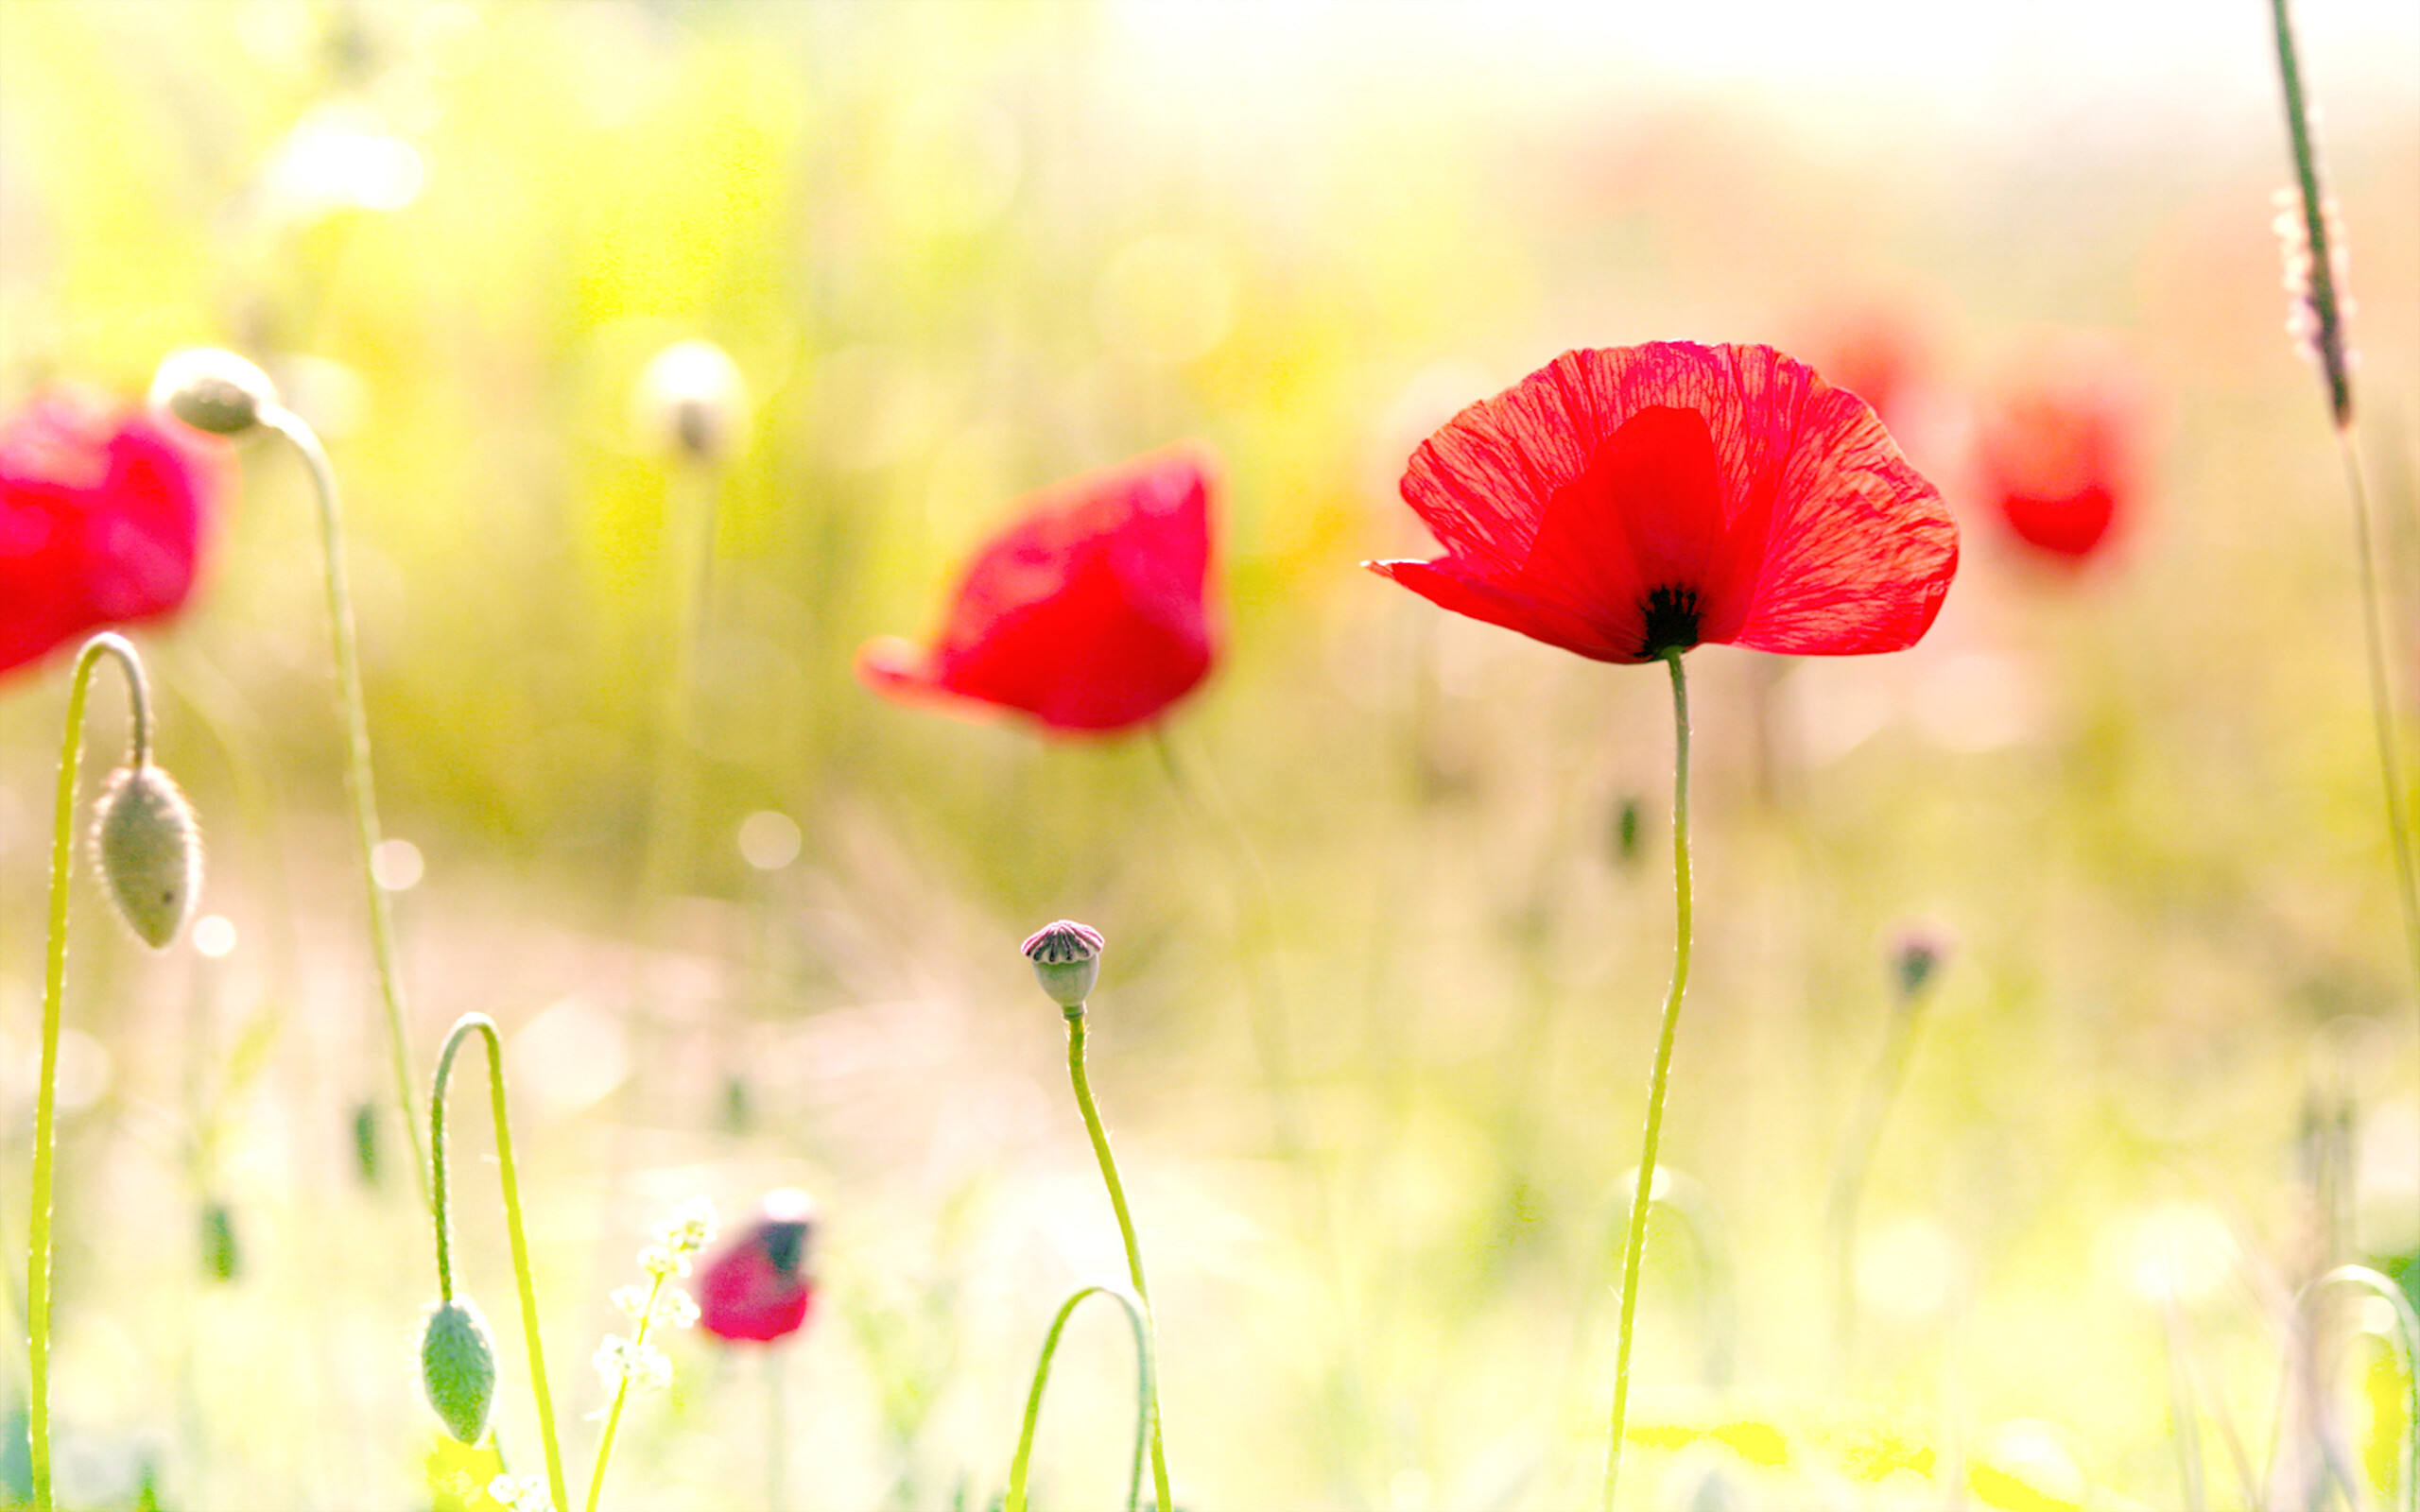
pixel 1066 961
pixel 213 390
pixel 145 842
pixel 457 1368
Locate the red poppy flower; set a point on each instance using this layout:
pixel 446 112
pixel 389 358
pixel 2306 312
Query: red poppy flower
pixel 2057 447
pixel 758 1290
pixel 1628 502
pixel 1090 613
pixel 100 521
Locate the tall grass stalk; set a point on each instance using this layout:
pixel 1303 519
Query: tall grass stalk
pixel 481 1024
pixel 2324 305
pixel 1635 1246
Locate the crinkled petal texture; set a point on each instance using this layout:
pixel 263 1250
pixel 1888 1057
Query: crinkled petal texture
pixel 1622 502
pixel 101 517
pixel 1091 613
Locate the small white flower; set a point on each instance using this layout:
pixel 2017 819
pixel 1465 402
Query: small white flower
pixel 678 1308
pixel 631 1301
pixel 615 1359
pixel 659 1261
pixel 691 1226
pixel 651 1367
pixel 523 1494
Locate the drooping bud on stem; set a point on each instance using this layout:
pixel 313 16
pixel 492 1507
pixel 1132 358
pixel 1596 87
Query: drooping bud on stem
pixel 1066 961
pixel 693 401
pixel 213 390
pixel 457 1368
pixel 145 843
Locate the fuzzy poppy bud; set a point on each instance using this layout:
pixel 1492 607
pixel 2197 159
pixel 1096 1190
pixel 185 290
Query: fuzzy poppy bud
pixel 213 390
pixel 145 843
pixel 457 1368
pixel 692 401
pixel 1916 956
pixel 1066 961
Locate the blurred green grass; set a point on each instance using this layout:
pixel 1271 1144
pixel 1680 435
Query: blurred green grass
pixel 958 251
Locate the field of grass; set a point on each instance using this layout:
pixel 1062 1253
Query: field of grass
pixel 1388 903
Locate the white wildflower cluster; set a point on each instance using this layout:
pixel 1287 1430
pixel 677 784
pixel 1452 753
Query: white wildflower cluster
pixel 522 1493
pixel 632 1360
pixel 2293 241
pixel 672 1304
pixel 690 1228
pixel 661 1262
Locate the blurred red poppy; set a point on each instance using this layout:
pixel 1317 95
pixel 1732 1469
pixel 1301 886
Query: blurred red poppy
pixel 101 516
pixel 758 1290
pixel 1627 501
pixel 1091 613
pixel 2057 446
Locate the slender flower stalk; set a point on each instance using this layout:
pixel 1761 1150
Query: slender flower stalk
pixel 219 392
pixel 621 1361
pixel 1634 1244
pixel 1145 1394
pixel 1917 962
pixel 463 1029
pixel 144 841
pixel 1066 960
pixel 2313 267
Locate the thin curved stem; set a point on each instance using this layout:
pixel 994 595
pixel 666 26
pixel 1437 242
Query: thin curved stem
pixel 54 983
pixel 357 779
pixel 463 1029
pixel 1635 1244
pixel 1145 1393
pixel 1857 1157
pixel 2398 820
pixel 621 1396
pixel 2407 1338
pixel 1126 1232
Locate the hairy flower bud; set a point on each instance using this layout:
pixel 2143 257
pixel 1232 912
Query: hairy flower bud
pixel 1066 961
pixel 457 1368
pixel 213 390
pixel 145 844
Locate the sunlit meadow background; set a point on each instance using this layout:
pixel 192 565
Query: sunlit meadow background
pixel 1374 1119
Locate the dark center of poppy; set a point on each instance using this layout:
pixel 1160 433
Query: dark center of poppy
pixel 1671 621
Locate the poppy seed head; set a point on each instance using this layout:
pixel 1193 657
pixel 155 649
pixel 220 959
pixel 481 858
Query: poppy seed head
pixel 1066 961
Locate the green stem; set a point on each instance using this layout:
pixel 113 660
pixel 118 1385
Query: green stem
pixel 621 1395
pixel 1145 1391
pixel 1635 1244
pixel 357 780
pixel 1126 1232
pixel 1857 1157
pixel 54 982
pixel 463 1029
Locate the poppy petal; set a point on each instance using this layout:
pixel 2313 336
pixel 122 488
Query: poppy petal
pixel 1090 612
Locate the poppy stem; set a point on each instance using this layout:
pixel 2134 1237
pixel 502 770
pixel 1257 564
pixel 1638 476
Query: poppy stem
pixel 1145 1390
pixel 463 1029
pixel 1857 1157
pixel 357 780
pixel 54 982
pixel 1634 1242
pixel 1126 1232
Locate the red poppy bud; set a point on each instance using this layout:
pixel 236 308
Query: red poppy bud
pixel 759 1289
pixel 101 517
pixel 1091 612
